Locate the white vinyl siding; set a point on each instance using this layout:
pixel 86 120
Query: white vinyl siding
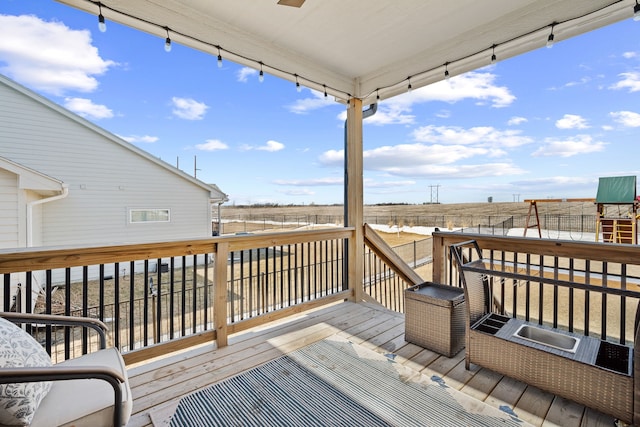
pixel 9 221
pixel 105 177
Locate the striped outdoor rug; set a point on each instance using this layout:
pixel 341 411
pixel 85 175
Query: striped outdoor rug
pixel 333 383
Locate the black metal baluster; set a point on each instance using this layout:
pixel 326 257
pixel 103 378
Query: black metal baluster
pixel 85 305
pixel 132 312
pixel 556 267
pixel 148 284
pixel 48 308
pixel 605 280
pixel 116 305
pixel 67 308
pixel 194 286
pixel 232 272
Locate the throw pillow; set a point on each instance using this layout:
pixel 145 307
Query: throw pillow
pixel 19 401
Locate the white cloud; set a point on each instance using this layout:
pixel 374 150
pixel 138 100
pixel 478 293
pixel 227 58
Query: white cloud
pixel 86 108
pixel 579 82
pixel 303 106
pixel 626 118
pixel 572 121
pixel 420 160
pixel 313 182
pixel 515 121
pixel 480 86
pixel 49 56
pixel 554 183
pixel 580 144
pixel 298 192
pixel 212 145
pixel 270 146
pixel 630 80
pixel 188 109
pixel 145 138
pixel 244 73
pixel 441 152
pixel 369 183
pixel 485 135
pixel 629 55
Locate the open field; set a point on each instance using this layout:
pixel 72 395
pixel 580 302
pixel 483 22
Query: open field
pixel 252 219
pixel 454 209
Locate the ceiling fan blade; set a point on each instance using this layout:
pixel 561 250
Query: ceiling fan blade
pixel 293 3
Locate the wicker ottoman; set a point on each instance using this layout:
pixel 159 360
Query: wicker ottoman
pixel 434 317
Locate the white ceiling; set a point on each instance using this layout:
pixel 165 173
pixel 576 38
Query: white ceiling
pixel 363 48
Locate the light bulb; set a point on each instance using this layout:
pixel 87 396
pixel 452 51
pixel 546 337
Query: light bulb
pixel 446 74
pixel 636 11
pixel 167 45
pixel 102 26
pixel 494 59
pixel 550 41
pixel 261 76
pixel 219 61
pixel 298 87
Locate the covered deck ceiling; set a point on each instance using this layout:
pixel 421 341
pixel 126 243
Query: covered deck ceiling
pixel 367 49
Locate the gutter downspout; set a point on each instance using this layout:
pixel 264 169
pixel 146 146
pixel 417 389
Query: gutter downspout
pixel 30 205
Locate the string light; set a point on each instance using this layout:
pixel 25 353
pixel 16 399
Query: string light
pixel 102 26
pixel 409 88
pixel 550 38
pixel 636 12
pixel 298 87
pixel 261 75
pixel 167 42
pixel 343 94
pixel 446 71
pixel 494 59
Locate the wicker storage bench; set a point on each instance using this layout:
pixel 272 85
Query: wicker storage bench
pixel 435 317
pixel 599 374
pixel 596 373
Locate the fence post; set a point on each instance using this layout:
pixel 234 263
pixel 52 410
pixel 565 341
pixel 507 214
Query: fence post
pixel 439 259
pixel 220 294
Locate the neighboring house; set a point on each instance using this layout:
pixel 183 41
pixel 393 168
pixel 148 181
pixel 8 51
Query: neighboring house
pixel 66 181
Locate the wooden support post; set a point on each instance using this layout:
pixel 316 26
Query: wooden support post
pixel 355 198
pixel 220 294
pixel 438 274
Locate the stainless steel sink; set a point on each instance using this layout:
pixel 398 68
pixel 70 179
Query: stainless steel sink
pixel 549 338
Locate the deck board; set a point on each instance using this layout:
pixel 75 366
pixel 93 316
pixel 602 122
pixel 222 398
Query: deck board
pixel 161 381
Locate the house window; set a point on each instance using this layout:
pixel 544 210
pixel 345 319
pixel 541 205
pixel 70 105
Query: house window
pixel 149 215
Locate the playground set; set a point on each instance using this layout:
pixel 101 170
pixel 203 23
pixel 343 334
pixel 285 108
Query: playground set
pixel 617 210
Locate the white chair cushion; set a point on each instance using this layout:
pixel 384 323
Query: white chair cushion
pixel 19 401
pixel 85 402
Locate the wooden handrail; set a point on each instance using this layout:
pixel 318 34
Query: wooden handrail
pixel 33 259
pixel 391 259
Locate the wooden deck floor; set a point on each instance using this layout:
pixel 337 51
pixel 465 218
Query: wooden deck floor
pixel 158 382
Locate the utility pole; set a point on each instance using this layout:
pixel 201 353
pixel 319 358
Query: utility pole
pixel 434 190
pixel 195 166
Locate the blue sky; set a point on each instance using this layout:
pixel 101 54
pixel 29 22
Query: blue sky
pixel 546 124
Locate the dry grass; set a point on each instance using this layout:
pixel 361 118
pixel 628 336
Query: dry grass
pixel 453 209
